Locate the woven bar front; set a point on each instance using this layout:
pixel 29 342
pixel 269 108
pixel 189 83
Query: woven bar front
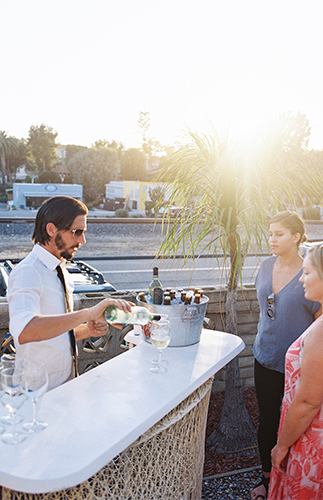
pixel 165 463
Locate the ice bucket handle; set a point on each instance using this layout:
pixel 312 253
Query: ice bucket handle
pixel 190 314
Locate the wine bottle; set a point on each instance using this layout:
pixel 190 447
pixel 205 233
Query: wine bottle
pixel 137 316
pixel 155 289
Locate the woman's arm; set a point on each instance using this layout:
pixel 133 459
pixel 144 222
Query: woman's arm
pixel 308 398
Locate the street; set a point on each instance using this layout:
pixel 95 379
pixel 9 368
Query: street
pixel 136 274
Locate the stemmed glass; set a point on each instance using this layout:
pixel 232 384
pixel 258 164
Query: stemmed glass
pixel 12 397
pixel 8 361
pixel 35 385
pixel 156 361
pixel 160 338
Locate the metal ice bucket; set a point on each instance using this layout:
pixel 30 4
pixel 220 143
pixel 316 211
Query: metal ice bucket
pixel 186 321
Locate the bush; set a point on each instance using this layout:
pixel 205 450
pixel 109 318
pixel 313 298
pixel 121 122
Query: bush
pixel 97 202
pixel 121 212
pixel 3 187
pixel 49 176
pixel 311 213
pixel 149 205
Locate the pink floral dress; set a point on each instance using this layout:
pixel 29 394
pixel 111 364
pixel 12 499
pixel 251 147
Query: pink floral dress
pixel 303 479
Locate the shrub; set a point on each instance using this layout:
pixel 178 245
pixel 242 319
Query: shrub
pixel 49 176
pixel 121 212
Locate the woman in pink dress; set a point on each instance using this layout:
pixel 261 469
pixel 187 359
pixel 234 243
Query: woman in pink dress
pixel 297 458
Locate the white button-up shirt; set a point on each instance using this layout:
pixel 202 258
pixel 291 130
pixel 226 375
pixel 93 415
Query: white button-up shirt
pixel 35 289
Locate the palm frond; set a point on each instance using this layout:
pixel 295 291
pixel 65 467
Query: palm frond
pixel 227 199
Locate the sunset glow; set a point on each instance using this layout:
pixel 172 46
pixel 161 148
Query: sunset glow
pixel 88 68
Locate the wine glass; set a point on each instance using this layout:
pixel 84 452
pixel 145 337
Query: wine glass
pixel 35 385
pixel 160 338
pixel 8 361
pixel 12 397
pixel 156 361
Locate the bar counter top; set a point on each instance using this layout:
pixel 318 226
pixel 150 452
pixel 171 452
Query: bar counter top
pixel 96 416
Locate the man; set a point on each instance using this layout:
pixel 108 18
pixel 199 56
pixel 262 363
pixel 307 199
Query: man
pixel 39 324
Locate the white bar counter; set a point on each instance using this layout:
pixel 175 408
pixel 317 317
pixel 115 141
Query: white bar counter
pixel 95 417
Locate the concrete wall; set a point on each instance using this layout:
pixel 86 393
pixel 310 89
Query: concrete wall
pixel 247 315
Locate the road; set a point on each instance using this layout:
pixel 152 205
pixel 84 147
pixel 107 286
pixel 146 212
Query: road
pixel 136 274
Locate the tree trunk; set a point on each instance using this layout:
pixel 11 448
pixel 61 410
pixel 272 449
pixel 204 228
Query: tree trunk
pixel 235 431
pixel 3 166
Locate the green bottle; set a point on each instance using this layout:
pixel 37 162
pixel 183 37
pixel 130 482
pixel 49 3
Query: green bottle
pixel 137 316
pixel 156 293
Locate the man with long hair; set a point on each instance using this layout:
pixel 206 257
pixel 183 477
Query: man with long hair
pixel 42 322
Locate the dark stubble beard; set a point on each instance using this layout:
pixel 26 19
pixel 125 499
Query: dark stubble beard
pixel 64 252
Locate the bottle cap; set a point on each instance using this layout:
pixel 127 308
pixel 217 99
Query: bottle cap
pixel 156 317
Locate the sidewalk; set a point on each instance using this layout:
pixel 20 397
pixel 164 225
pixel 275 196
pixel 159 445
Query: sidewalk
pixel 95 212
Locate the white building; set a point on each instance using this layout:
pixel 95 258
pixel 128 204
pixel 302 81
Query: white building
pixel 32 195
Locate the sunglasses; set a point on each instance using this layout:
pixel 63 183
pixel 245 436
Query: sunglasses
pixel 77 232
pixel 271 303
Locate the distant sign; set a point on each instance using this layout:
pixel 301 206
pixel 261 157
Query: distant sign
pixel 51 188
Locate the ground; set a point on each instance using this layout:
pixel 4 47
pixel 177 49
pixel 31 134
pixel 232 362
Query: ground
pixel 218 463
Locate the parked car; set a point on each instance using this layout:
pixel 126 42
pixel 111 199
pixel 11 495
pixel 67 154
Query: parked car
pixel 176 211
pixel 86 278
pixel 171 211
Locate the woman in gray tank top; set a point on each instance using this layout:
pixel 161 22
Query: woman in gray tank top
pixel 284 315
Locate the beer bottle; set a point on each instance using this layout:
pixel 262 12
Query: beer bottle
pixel 197 298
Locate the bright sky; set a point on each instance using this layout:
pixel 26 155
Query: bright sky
pixel 87 68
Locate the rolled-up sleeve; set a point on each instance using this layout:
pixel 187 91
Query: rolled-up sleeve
pixel 24 292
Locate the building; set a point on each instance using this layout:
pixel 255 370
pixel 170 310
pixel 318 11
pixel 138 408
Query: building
pixel 32 195
pixel 131 195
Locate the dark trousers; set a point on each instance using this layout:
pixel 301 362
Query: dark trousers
pixel 270 390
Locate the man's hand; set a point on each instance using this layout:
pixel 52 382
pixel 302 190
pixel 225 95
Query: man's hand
pixel 95 313
pixel 96 326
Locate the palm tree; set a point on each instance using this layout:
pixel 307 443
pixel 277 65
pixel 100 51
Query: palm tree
pixel 227 201
pixel 7 146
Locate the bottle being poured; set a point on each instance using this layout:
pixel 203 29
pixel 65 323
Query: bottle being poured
pixel 138 316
